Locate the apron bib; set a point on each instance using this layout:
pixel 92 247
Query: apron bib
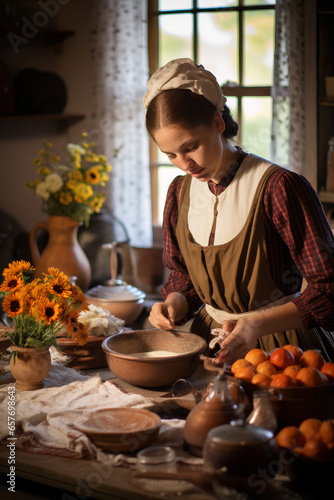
pixel 232 277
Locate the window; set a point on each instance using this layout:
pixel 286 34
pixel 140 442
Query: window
pixel 234 39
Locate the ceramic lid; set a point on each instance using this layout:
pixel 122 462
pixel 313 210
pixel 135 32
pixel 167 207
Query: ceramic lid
pixel 116 293
pixel 238 432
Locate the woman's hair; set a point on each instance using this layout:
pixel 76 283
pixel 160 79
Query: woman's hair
pixel 187 109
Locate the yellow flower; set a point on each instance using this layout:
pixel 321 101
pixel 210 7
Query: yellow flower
pixel 12 304
pixel 65 198
pixel 44 171
pixel 37 161
pixel 47 310
pixel 97 202
pixel 93 175
pixel 82 192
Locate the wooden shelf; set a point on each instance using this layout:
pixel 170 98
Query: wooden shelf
pixel 326 196
pixel 326 101
pixel 42 38
pixel 55 117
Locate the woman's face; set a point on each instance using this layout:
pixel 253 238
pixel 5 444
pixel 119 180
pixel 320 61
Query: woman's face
pixel 197 151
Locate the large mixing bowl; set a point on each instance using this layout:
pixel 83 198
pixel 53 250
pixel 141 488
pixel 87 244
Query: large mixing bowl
pixel 153 358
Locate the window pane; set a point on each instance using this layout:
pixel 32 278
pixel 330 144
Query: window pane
pixel 259 2
pixel 218 44
pixel 259 47
pixel 165 177
pixel 163 158
pixel 175 37
pixel 175 4
pixel 208 4
pixel 256 125
pixel 232 103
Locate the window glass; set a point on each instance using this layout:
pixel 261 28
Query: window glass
pixel 259 2
pixel 175 4
pixel 256 125
pixel 218 44
pixel 207 4
pixel 232 103
pixel 259 47
pixel 165 177
pixel 175 37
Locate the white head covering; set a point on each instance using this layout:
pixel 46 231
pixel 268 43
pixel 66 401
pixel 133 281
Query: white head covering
pixel 185 74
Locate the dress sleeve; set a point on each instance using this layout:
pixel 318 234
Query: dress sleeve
pixel 298 216
pixel 178 280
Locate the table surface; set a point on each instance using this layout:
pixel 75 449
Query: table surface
pixel 46 477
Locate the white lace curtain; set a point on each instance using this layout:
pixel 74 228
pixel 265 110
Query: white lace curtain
pixel 288 133
pixel 120 74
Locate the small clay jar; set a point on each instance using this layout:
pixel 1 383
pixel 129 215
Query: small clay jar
pixel 216 408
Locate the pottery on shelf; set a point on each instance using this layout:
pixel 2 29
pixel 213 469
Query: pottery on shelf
pixel 29 367
pixel 62 250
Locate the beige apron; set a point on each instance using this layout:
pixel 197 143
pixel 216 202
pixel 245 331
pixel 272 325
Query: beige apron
pixel 234 277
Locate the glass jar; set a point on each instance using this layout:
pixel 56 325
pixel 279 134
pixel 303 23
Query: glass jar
pixel 156 459
pixel 330 166
pixel 263 414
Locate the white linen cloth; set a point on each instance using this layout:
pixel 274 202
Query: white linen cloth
pixel 45 418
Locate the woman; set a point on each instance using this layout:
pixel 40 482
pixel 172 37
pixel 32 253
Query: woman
pixel 240 233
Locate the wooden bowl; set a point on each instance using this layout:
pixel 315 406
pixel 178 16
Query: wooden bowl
pixel 292 405
pixel 128 359
pixel 87 356
pixel 121 429
pixel 309 472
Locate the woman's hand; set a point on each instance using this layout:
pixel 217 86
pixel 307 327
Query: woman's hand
pixel 164 314
pixel 246 331
pixel 243 338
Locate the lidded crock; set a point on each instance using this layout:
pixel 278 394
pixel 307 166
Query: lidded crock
pixel 239 449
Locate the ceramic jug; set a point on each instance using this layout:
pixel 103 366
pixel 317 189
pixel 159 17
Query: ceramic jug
pixel 217 407
pixel 62 250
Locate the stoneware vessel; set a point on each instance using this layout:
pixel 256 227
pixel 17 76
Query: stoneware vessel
pixel 216 408
pixel 62 250
pixel 29 367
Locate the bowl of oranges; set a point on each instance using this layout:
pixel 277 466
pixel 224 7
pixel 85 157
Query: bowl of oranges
pixel 301 382
pixel 307 450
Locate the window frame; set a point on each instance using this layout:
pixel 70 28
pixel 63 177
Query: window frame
pixel 237 91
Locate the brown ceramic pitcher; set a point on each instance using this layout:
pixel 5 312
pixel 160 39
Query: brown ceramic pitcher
pixel 62 251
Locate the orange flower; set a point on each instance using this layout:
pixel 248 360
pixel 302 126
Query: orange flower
pixel 47 310
pixel 60 285
pixel 12 304
pixel 11 283
pixel 17 267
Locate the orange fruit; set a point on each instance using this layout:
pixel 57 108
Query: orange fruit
pixel 326 433
pixel 261 379
pixel 282 380
pixel 245 373
pixel 256 356
pixel 312 358
pixel 292 370
pixel 296 351
pixel 290 437
pixel 282 358
pixel 239 363
pixel 311 377
pixel 310 427
pixel 267 368
pixel 328 370
pixel 316 448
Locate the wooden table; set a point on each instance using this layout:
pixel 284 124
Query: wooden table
pixel 46 477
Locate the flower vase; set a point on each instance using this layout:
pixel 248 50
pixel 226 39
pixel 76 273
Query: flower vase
pixel 62 250
pixel 29 367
